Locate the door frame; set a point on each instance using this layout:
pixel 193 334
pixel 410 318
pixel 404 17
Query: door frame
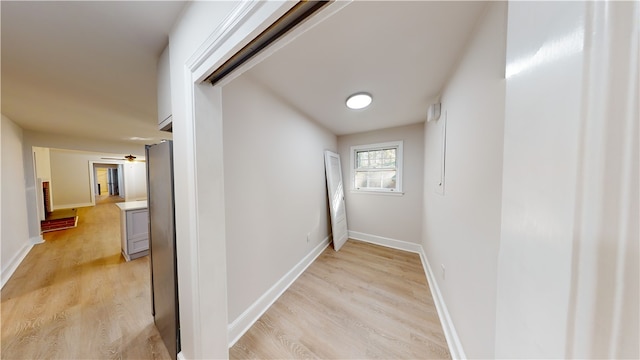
pixel 199 176
pixel 93 177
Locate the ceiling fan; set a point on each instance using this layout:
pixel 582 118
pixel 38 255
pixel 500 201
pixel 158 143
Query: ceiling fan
pixel 129 158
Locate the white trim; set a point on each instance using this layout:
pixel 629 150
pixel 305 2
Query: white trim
pixel 12 265
pixel 374 192
pixel 234 21
pixel 181 356
pixel 40 197
pixel 92 182
pixel 71 206
pixel 398 145
pixel 453 341
pixel 241 324
pixel 192 310
pixel 203 102
pixel 244 22
pixel 36 240
pixel 443 156
pixel 387 242
pixel 92 178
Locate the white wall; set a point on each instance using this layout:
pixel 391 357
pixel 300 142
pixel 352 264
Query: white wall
pixel 275 189
pixel 568 267
pixel 42 161
pixel 462 227
pixel 71 178
pixel 70 174
pixel 15 242
pixel 382 215
pixel 539 185
pixel 135 181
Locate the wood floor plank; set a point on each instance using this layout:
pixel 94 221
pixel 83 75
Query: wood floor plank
pixel 363 302
pixel 74 297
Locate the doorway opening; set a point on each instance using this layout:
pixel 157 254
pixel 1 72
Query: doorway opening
pixel 108 183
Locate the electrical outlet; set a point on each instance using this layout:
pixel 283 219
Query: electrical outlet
pixel 443 271
pixel 308 236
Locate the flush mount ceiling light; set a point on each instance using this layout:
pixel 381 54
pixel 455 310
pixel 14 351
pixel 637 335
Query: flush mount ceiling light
pixel 359 101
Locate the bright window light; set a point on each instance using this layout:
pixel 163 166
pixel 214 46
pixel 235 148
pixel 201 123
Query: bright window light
pixel 359 101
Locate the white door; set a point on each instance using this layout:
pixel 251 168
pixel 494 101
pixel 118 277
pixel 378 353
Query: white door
pixel 336 199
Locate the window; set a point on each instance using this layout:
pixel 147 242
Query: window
pixel 377 167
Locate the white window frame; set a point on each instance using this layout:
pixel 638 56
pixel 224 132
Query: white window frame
pixel 379 146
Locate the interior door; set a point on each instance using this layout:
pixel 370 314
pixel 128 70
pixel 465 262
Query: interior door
pixel 335 191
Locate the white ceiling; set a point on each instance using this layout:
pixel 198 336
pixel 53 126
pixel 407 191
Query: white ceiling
pixel 402 52
pixel 85 68
pixel 88 69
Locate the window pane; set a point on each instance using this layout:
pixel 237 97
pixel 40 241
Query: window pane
pixel 385 179
pixel 372 159
pixel 362 159
pixel 376 166
pixel 375 179
pixel 389 156
pixel 376 159
pixel 389 180
pixel 361 179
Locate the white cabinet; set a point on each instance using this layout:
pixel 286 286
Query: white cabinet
pixel 134 229
pixel 164 91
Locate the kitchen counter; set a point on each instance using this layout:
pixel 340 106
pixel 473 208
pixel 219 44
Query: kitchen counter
pixel 134 228
pixel 132 205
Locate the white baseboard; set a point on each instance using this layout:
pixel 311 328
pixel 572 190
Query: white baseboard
pixel 9 268
pixel 455 346
pixel 240 325
pixel 453 341
pixel 36 240
pixel 71 206
pixel 181 357
pixel 387 242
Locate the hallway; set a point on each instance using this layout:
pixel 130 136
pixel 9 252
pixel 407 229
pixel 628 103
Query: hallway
pixel 74 297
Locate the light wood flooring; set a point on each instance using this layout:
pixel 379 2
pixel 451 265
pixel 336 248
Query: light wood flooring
pixel 108 199
pixel 74 297
pixel 363 302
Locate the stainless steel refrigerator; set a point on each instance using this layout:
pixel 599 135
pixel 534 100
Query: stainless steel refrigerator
pixel 162 244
